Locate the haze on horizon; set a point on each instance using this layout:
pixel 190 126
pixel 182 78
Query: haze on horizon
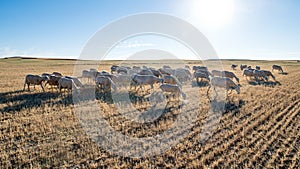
pixel 257 29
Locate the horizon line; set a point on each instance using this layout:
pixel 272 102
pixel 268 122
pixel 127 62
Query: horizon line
pixel 76 59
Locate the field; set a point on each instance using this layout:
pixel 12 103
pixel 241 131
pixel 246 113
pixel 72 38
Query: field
pixel 259 128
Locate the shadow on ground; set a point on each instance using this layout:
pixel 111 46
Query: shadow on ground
pixel 263 83
pixel 155 105
pixel 200 84
pixel 283 73
pixel 17 100
pixel 227 106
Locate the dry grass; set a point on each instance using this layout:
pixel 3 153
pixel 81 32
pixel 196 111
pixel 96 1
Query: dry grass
pixel 259 129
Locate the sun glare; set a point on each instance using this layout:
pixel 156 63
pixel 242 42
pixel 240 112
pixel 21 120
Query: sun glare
pixel 212 13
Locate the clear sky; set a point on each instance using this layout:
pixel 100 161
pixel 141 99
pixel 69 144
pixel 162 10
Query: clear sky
pixel 237 29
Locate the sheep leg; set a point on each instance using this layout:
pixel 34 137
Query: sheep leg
pixel 141 87
pixel 24 86
pixel 152 88
pixel 42 87
pixel 207 92
pixel 216 93
pixel 28 86
pixel 59 87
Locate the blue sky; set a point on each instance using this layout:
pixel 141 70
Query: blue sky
pixel 250 29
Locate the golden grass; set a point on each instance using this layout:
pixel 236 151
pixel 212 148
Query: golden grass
pixel 40 130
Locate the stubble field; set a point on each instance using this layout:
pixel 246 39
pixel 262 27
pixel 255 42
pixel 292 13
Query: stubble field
pixel 260 127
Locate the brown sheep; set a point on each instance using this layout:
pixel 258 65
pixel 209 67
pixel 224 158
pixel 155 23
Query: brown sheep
pixel 35 80
pixel 277 67
pixel 173 89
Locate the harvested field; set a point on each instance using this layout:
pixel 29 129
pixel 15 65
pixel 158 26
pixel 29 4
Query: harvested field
pixel 259 128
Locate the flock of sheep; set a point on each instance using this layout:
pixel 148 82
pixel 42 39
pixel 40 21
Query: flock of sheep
pixel 170 80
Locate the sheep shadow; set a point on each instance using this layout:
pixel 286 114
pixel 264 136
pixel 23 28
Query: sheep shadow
pixel 104 96
pixel 159 116
pixel 91 93
pixel 283 73
pixel 2 95
pixel 264 83
pixel 17 100
pixel 137 97
pixel 155 105
pixel 200 84
pixel 227 106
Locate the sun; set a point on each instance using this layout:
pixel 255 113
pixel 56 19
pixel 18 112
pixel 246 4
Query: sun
pixel 212 13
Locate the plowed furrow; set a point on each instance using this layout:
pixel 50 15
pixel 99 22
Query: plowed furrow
pixel 248 130
pixel 289 145
pixel 239 154
pixel 272 135
pixel 256 141
pixel 296 158
pixel 242 129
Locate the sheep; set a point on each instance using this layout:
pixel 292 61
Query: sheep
pixel 123 80
pixel 243 67
pixel 85 74
pixel 166 67
pixel 268 73
pixel 233 66
pixel 57 74
pixel 225 74
pixel 231 75
pixel 114 68
pixel 114 78
pixel 105 72
pixel 92 74
pixel 122 70
pixel 156 72
pixel 105 84
pixel 174 89
pixel 203 68
pixel 183 74
pixel 46 74
pixel 202 75
pixel 187 67
pixel 223 82
pixel 206 72
pixel 248 73
pixel 167 71
pixel 257 67
pixel 53 81
pixel 77 82
pixel 169 79
pixel 277 67
pixel 259 74
pixel 145 72
pixel 67 83
pixel 145 80
pixel 35 80
pixel 217 73
pixel 136 69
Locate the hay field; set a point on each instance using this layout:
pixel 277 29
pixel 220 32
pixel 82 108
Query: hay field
pixel 260 128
